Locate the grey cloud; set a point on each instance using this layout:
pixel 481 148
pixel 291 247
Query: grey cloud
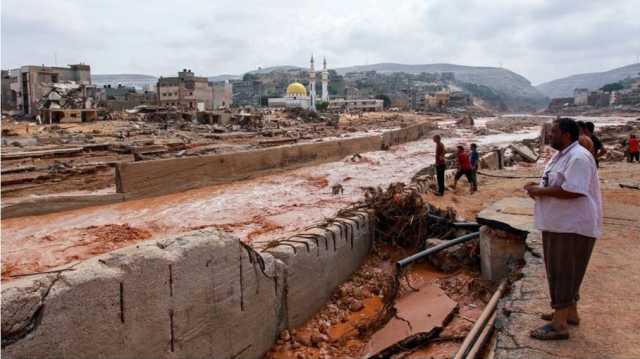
pixel 541 40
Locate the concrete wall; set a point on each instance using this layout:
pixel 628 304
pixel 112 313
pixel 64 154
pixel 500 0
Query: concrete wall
pixel 146 178
pixel 317 266
pixel 152 178
pixel 44 205
pixel 199 295
pixel 407 134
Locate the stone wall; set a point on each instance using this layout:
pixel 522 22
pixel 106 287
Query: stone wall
pixel 198 295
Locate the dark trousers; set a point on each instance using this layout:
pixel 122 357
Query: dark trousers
pixel 634 155
pixel 566 256
pixel 470 177
pixel 440 176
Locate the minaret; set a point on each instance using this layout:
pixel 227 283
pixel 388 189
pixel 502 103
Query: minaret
pixel 312 85
pixel 325 81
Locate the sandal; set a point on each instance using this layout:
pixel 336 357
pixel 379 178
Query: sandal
pixel 549 317
pixel 547 332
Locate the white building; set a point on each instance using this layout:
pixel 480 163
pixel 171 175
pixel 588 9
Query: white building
pixel 297 94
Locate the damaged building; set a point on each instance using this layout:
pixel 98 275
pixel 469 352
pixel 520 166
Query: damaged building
pixel 186 91
pixel 28 85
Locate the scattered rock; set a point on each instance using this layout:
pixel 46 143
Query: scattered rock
pixel 317 338
pixel 356 306
pixel 284 335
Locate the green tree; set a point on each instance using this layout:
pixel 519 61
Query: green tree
pixel 249 77
pixel 615 86
pixel 322 106
pixel 386 101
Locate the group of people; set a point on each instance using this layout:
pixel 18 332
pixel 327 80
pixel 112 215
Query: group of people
pixel 568 212
pixel 467 165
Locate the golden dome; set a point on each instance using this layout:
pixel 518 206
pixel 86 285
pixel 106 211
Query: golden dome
pixel 296 89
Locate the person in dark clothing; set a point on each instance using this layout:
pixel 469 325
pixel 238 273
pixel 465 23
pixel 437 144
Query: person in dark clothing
pixel 598 147
pixel 441 164
pixel 474 156
pixel 633 148
pixel 464 168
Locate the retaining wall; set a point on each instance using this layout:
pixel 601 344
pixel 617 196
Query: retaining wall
pixel 152 178
pixel 199 295
pixel 158 177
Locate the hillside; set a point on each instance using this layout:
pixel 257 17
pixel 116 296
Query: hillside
pixel 507 83
pixel 564 87
pixel 515 90
pixel 135 80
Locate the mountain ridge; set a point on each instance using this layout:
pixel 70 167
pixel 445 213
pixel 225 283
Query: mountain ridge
pixel 563 87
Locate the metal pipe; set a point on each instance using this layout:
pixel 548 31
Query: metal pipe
pixel 475 349
pixel 470 225
pixel 406 261
pixel 481 322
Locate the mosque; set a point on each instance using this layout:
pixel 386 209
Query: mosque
pixel 297 95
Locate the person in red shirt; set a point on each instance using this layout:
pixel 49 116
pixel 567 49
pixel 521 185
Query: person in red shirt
pixel 464 168
pixel 634 148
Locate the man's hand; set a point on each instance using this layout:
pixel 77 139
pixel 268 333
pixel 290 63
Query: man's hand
pixel 532 189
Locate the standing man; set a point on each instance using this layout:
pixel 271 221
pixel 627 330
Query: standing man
pixel 440 164
pixel 598 147
pixel 464 168
pixel 568 211
pixel 633 148
pixel 475 163
pixel 585 139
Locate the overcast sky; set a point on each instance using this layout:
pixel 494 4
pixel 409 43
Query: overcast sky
pixel 541 40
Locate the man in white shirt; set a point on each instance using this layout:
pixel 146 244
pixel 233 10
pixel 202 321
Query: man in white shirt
pixel 568 211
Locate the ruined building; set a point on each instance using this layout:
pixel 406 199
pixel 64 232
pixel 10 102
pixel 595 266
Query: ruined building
pixel 222 94
pixel 186 91
pixel 29 84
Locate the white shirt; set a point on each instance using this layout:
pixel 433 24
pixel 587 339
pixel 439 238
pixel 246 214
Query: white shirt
pixel 574 170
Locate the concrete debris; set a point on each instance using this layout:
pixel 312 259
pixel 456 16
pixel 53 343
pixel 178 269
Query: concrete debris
pixel 453 258
pixel 525 153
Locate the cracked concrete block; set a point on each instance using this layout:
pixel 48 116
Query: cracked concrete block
pixel 199 295
pixel 499 251
pixel 327 259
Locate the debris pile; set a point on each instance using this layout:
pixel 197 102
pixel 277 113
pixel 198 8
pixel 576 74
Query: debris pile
pixel 364 304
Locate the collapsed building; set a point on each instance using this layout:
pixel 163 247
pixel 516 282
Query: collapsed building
pixel 31 87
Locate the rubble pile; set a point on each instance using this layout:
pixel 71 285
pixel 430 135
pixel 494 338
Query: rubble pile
pixel 365 303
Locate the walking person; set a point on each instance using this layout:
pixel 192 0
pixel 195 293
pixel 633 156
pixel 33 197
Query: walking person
pixel 464 168
pixel 474 156
pixel 633 148
pixel 441 164
pixel 568 211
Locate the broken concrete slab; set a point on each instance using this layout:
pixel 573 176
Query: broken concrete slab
pixel 525 152
pixel 417 313
pixel 513 214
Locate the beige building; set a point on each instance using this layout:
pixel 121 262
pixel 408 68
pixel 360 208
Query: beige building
pixel 186 91
pixel 356 105
pixel 222 95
